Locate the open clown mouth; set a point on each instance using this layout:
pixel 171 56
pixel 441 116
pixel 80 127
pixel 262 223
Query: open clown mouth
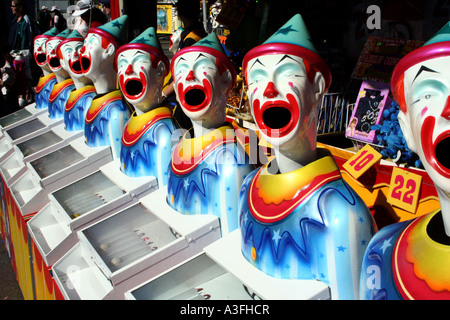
pixel 54 63
pixel 442 148
pixel 436 152
pixel 85 64
pixel 41 58
pixel 196 97
pixel 277 118
pixel 133 88
pixel 75 66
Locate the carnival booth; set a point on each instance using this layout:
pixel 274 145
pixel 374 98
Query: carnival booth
pixel 105 197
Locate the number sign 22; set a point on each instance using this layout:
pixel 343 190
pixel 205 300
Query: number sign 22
pixel 404 189
pixel 362 161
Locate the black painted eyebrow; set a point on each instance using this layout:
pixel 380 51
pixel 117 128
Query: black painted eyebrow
pixel 422 69
pixel 178 61
pixel 138 52
pixel 256 61
pixel 200 55
pixel 285 57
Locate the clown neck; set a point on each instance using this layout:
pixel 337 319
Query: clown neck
pixel 149 105
pixel 61 75
pixel 207 124
pixel 287 163
pixel 444 199
pixel 298 151
pixel 81 82
pixel 46 70
pixel 105 82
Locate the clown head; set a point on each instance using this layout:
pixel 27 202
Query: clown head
pixel 40 51
pixel 421 85
pixel 68 52
pixel 52 57
pixel 286 79
pixel 141 67
pixel 98 52
pixel 203 77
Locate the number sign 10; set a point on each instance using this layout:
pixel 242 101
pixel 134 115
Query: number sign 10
pixel 404 189
pixel 362 161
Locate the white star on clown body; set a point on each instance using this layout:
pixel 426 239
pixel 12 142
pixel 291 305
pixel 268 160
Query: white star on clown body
pixel 245 218
pixel 186 184
pixel 386 244
pixel 276 236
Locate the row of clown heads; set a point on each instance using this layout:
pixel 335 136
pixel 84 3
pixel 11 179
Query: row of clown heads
pixel 297 217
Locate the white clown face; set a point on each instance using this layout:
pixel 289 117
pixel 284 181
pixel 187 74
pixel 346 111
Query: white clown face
pixel 52 58
pixel 426 125
pixel 71 61
pixel 139 81
pixel 94 57
pixel 201 89
pixel 40 53
pixel 283 101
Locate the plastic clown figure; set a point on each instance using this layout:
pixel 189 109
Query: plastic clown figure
pixel 63 87
pixel 48 79
pixel 207 165
pixel 146 141
pixel 81 97
pixel 108 113
pixel 411 259
pixel 298 217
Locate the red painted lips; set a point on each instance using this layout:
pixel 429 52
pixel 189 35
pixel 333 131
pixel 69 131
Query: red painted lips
pixel 133 88
pixel 436 153
pixel 195 97
pixel 277 118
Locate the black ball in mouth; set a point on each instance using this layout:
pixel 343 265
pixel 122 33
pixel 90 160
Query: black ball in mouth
pixel 76 66
pixel 41 57
pixel 194 97
pixel 54 63
pixel 276 117
pixel 133 87
pixel 85 64
pixel 442 152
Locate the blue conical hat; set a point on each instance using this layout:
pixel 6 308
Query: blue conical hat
pixel 148 37
pixel 146 41
pixel 115 31
pixel 209 44
pixel 52 32
pixel 73 36
pixel 292 38
pixel 49 34
pixel 442 35
pixel 294 32
pixel 210 41
pixel 63 34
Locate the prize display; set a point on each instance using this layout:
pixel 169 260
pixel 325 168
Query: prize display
pixel 104 196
